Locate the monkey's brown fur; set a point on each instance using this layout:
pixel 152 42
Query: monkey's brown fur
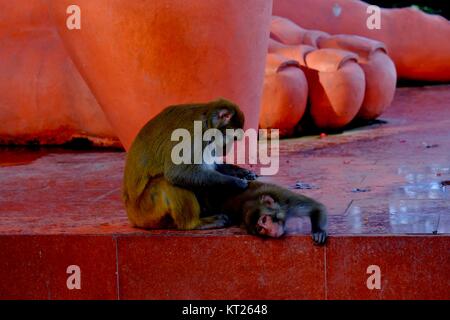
pixel 159 194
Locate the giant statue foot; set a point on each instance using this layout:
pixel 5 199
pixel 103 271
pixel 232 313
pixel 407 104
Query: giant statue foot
pixel 417 42
pixel 138 57
pixel 43 98
pixel 129 60
pixel 348 76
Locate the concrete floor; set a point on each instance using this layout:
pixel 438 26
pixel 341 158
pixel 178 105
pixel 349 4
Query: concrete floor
pixel 385 186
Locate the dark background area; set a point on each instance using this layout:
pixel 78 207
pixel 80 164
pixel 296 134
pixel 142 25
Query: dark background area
pixel 441 7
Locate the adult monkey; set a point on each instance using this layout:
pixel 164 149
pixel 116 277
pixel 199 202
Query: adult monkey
pixel 160 194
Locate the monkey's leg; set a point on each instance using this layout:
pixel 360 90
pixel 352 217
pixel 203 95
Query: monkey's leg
pixel 164 205
pixel 185 210
pixel 151 210
pixel 236 171
pixel 182 205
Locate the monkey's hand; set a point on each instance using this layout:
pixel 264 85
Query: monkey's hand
pixel 236 171
pixel 319 237
pixel 240 183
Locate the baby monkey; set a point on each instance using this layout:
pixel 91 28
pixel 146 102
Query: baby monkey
pixel 263 208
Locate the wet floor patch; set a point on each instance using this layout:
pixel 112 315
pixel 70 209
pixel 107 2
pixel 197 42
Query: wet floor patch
pixel 427 182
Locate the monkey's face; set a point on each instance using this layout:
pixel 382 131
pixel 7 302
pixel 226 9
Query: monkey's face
pixel 270 218
pixel 225 115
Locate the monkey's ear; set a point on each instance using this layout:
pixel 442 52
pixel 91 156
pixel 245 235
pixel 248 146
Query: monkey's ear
pixel 222 118
pixel 267 200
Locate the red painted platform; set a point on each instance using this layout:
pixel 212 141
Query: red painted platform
pixel 384 185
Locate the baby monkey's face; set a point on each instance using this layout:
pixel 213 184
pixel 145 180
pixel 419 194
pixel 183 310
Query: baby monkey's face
pixel 271 220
